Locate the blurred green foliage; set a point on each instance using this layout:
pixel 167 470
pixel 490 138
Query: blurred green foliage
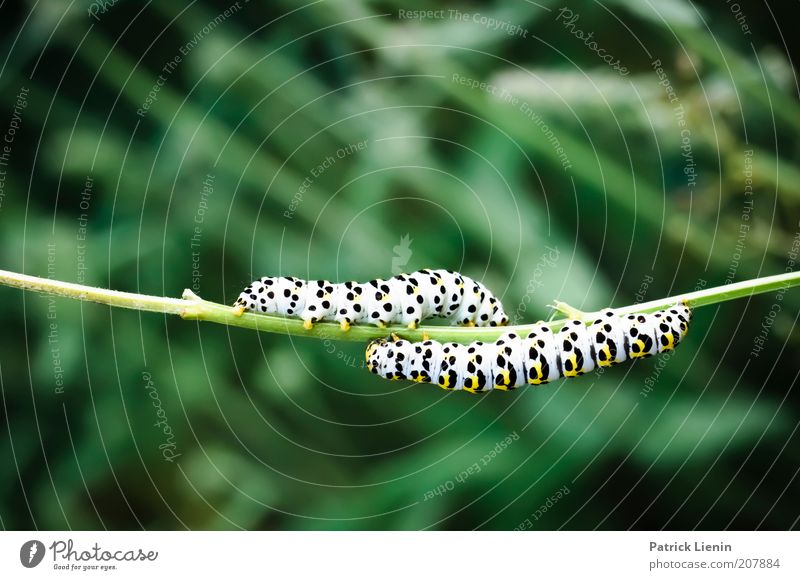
pixel 149 101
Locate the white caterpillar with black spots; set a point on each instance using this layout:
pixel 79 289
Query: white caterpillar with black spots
pixel 406 299
pixel 536 358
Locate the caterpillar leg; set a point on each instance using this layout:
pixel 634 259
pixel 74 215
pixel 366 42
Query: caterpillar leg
pixel 425 336
pixel 412 325
pixel 395 338
pixel 344 325
pixel 308 325
pixel 238 310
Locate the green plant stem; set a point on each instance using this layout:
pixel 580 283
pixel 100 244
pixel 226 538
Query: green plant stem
pixel 192 307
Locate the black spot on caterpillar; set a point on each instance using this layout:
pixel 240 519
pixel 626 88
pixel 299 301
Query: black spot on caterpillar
pixel 407 299
pixel 536 358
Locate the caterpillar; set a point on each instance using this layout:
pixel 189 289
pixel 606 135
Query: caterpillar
pixel 535 358
pixel 407 299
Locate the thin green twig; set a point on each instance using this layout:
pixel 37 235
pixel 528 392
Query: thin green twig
pixel 192 307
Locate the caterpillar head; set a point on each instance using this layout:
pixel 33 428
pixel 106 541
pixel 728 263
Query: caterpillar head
pixel 372 356
pixel 490 312
pixel 498 316
pixel 681 318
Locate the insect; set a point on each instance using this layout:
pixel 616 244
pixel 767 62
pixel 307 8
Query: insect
pixel 407 299
pixel 537 357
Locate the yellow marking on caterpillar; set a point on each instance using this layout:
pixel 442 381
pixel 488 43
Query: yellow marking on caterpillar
pixel 506 378
pixel 471 384
pixel 575 370
pixel 608 362
pixel 641 352
pixel 539 375
pixel 670 342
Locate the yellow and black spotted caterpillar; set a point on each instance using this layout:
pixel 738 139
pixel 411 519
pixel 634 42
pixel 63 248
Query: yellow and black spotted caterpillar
pixel 407 299
pixel 536 358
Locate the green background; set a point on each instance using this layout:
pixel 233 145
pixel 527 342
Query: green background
pixel 278 432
